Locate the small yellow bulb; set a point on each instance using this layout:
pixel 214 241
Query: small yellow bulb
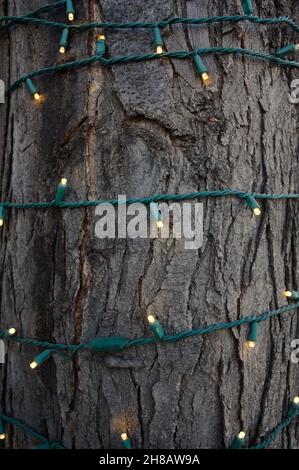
pixel 63 181
pixel 297 47
pixel 159 224
pixel 288 293
pixel 71 17
pixel 257 211
pixel 151 319
pixel 296 401
pixel 124 436
pixel 159 50
pixel 206 79
pixel 62 50
pixel 251 344
pixel 11 331
pixel 37 96
pixel 241 435
pixel 2 436
pixel 33 365
pixel 101 37
pixel 1 222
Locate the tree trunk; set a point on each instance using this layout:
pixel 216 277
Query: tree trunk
pixel 139 129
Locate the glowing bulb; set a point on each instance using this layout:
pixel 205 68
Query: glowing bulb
pixel 241 435
pixel 159 50
pixel 257 211
pixel 288 293
pixel 251 344
pixel 1 222
pixel 2 436
pixel 205 76
pixel 33 365
pixel 296 401
pixel 62 50
pixel 37 96
pixel 124 436
pixel 11 331
pixel 160 224
pixel 151 319
pixel 101 37
pixel 71 16
pixel 63 181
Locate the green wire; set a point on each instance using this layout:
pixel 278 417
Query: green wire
pixel 28 430
pixel 147 200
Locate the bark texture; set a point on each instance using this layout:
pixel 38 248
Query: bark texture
pixel 139 129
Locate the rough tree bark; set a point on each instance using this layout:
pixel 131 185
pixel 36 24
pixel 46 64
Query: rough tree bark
pixel 139 129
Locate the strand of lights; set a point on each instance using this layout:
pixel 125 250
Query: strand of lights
pixel 249 198
pixel 114 344
pixel 62 67
pixel 45 443
pixel 238 441
pixel 293 413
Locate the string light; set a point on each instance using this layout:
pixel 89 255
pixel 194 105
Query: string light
pixel 70 10
pixel 61 190
pixel 11 331
pixel 238 441
pixel 64 40
pixel 294 407
pixel 253 205
pixel 202 70
pixel 291 294
pixel 2 430
pixel 3 215
pixel 156 214
pixel 158 41
pixel 155 326
pixel 101 44
pixel 33 90
pixel 41 358
pixel 247 7
pixel 126 441
pixel 252 336
pixel 291 49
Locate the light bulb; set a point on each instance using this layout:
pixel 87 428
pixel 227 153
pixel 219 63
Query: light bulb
pixel 251 344
pixel 71 16
pixel 257 211
pixel 124 436
pixel 63 181
pixel 296 401
pixel 151 319
pixel 11 331
pixel 160 224
pixel 62 50
pixel 159 50
pixel 101 37
pixel 37 96
pixel 2 436
pixel 33 365
pixel 242 435
pixel 288 293
pixel 1 222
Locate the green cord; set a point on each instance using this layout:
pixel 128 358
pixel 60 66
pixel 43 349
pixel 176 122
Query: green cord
pixel 30 18
pixel 116 344
pixel 28 430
